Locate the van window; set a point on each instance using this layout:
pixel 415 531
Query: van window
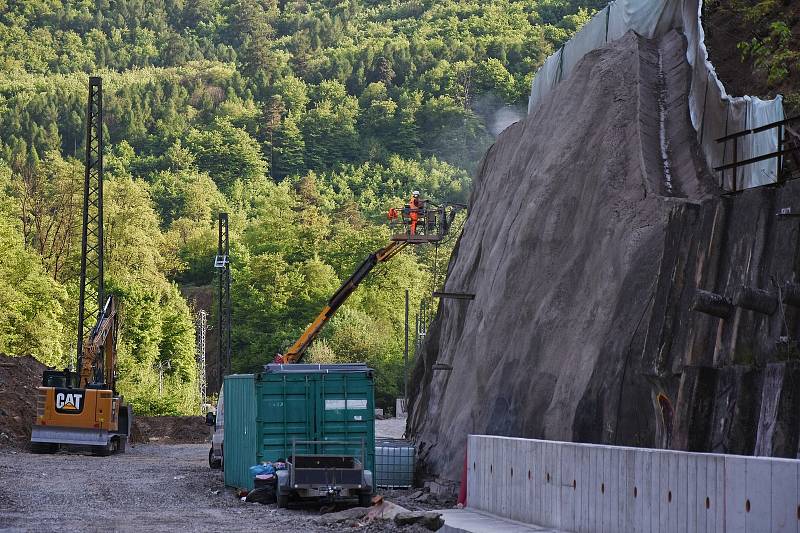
pixel 220 412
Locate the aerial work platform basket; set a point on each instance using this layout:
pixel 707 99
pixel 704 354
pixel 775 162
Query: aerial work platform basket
pixel 432 223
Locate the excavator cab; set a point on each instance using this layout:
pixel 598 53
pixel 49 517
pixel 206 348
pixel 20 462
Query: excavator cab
pixel 64 379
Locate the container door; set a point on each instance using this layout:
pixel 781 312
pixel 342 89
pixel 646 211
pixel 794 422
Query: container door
pixel 241 430
pixel 286 414
pixel 346 413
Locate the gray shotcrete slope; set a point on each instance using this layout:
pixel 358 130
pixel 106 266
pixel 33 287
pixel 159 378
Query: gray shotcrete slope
pixel 591 223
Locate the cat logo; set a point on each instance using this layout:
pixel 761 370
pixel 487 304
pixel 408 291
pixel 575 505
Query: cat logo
pixel 69 401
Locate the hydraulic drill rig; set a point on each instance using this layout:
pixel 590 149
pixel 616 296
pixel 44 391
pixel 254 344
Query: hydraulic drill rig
pixel 82 407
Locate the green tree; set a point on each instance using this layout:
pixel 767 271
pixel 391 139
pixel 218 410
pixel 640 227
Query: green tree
pixel 227 154
pixel 31 302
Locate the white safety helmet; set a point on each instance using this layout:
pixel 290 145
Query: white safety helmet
pixel 415 193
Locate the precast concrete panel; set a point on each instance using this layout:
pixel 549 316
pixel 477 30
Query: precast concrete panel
pixel 719 492
pixel 702 521
pixel 555 488
pixel 474 477
pixel 544 485
pixel 550 476
pixel 617 477
pixel 504 469
pixel 650 495
pixel 482 467
pixel 568 490
pixel 639 491
pixel 494 492
pixel 735 494
pixel 673 492
pixel 626 489
pixel 758 507
pixel 629 481
pixel 659 494
pixel 537 481
pixel 583 486
pixel 520 478
pixel 606 489
pixel 516 488
pixel 529 472
pixel 595 515
pixel 691 475
pixel 785 497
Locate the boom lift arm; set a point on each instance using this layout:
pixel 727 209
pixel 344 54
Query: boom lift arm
pixel 296 351
pixel 434 224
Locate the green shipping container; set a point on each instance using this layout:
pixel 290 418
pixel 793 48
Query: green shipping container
pixel 264 413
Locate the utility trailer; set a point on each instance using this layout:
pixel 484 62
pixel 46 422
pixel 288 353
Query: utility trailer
pixel 326 476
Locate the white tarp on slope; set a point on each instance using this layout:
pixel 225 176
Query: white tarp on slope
pixel 714 113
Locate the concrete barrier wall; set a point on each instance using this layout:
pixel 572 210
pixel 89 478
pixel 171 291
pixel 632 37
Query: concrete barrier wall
pixel 594 488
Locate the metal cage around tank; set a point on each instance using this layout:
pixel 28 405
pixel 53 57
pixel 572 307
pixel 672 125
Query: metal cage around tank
pixel 394 463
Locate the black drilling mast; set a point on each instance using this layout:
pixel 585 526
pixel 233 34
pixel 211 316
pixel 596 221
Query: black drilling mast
pixel 91 299
pixel 222 264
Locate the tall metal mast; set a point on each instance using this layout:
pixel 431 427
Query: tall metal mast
pixel 90 303
pixel 222 264
pixel 202 327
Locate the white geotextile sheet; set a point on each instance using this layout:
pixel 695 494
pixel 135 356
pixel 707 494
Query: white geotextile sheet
pixel 713 112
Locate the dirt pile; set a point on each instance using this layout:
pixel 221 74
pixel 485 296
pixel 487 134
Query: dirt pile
pixel 170 430
pixel 592 224
pixel 19 377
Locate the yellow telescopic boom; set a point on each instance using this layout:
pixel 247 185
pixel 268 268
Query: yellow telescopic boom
pixel 295 353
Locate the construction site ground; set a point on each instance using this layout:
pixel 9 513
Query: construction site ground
pixel 151 487
pixel 161 483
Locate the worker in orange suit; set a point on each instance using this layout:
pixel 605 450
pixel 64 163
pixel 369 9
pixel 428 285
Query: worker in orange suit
pixel 415 207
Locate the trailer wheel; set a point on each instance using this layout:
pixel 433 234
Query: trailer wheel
pixel 213 463
pixel 365 500
pixel 283 500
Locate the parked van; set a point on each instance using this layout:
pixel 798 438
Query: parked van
pixel 216 459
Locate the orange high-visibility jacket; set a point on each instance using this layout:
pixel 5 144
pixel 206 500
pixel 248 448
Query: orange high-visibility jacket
pixel 414 204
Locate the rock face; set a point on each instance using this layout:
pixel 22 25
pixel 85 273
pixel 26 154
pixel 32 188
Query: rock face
pixel 592 224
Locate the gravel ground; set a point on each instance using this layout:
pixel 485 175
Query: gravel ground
pixel 392 428
pixel 151 487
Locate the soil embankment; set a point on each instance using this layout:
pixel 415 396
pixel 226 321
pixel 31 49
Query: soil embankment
pixel 19 377
pixel 592 224
pixel 170 429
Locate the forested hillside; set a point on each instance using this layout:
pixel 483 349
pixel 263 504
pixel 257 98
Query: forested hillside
pixel 304 120
pixel 755 47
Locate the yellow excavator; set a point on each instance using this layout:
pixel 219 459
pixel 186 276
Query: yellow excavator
pixel 430 225
pixel 83 407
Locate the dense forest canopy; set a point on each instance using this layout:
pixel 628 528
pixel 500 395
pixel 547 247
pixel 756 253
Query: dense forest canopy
pixel 304 120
